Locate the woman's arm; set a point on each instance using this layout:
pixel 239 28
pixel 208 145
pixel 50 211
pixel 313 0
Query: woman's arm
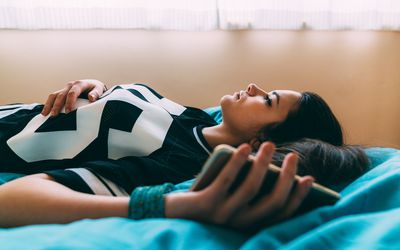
pixel 67 96
pixel 39 199
pixel 215 204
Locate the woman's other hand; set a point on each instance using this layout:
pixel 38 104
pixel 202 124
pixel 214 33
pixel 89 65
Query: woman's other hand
pixel 67 96
pixel 215 204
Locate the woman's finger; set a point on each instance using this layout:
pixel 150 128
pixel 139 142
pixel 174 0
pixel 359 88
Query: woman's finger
pixel 59 102
pixel 285 180
pixel 95 93
pixel 227 176
pixel 296 197
pixel 276 200
pixel 294 201
pixel 254 179
pixel 73 94
pixel 49 103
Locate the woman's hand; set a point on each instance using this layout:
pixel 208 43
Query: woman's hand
pixel 216 205
pixel 67 96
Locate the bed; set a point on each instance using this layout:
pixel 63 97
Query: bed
pixel 367 217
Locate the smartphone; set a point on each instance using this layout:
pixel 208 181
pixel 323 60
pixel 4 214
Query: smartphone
pixel 318 195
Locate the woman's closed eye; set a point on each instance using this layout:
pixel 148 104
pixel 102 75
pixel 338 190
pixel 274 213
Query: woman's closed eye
pixel 268 100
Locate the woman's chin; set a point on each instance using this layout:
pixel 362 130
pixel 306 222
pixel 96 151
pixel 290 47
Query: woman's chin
pixel 224 100
pixel 227 99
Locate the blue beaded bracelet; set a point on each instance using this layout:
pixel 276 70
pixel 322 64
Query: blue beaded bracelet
pixel 148 202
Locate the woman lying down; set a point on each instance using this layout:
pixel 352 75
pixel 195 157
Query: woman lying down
pixel 119 152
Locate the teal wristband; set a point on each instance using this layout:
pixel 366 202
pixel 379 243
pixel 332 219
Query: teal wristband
pixel 148 202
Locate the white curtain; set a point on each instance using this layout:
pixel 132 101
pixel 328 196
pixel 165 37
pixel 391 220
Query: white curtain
pixel 198 15
pixel 310 14
pixel 108 14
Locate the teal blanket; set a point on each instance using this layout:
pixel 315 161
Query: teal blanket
pixel 367 217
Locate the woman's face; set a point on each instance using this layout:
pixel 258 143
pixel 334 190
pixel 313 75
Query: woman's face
pixel 247 112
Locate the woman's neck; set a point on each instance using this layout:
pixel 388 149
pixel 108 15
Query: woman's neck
pixel 221 134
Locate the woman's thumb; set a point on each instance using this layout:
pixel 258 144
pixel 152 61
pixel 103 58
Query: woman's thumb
pixel 94 94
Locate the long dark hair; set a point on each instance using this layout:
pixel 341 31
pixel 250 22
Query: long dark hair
pixel 329 165
pixel 312 119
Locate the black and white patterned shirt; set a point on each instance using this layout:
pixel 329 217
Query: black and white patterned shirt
pixel 132 136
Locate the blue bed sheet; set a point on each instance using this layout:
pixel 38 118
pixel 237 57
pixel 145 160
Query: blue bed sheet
pixel 367 217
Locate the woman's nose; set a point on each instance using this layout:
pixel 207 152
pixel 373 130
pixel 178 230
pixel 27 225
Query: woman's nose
pixel 252 89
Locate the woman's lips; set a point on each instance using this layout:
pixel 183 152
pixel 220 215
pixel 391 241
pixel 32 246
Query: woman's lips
pixel 237 95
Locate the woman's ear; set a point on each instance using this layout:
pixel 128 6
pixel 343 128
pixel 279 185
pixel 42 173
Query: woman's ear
pixel 255 143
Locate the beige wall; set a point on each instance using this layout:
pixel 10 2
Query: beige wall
pixel 356 72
